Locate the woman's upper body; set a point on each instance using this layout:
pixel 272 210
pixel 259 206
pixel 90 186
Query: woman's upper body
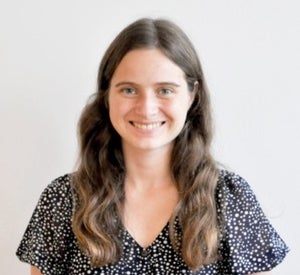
pixel 147 197
pixel 248 243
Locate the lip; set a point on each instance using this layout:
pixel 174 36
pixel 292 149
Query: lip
pixel 147 126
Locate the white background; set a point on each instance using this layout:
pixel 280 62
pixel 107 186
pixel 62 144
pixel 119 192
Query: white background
pixel 49 56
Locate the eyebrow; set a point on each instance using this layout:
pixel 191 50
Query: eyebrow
pixel 170 83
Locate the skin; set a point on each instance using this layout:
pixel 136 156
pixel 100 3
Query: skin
pixel 35 271
pixel 152 101
pixel 152 98
pixel 148 104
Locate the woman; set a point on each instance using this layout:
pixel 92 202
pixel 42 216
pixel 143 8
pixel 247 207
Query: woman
pixel 147 197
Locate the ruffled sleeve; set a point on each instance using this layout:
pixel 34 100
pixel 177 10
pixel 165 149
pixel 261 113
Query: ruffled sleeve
pixel 45 241
pixel 249 242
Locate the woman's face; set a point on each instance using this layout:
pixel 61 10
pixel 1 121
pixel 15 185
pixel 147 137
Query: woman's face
pixel 148 100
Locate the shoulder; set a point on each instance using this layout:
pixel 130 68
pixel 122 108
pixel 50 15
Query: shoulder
pixel 234 194
pixel 244 229
pixel 232 185
pixel 48 235
pixel 231 180
pixel 61 184
pixel 57 196
pixel 237 204
pixel 53 213
pixel 60 187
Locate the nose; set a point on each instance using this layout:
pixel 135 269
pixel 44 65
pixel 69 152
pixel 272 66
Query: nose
pixel 147 104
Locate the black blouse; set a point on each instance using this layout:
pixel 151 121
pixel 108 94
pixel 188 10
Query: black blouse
pixel 248 244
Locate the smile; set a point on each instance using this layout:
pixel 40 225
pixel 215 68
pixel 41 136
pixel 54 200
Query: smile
pixel 148 126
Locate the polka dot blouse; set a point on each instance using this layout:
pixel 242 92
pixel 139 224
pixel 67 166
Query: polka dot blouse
pixel 248 244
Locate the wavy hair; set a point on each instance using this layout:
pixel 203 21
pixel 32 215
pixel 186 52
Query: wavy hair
pixel 99 180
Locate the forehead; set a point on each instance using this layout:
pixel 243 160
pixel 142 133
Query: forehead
pixel 147 64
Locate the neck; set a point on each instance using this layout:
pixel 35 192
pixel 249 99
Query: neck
pixel 148 169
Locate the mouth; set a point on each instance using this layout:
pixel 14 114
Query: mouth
pixel 147 126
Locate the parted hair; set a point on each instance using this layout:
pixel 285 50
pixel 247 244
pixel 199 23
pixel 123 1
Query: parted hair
pixel 98 183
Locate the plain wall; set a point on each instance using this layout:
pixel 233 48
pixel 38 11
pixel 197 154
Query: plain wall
pixel 49 56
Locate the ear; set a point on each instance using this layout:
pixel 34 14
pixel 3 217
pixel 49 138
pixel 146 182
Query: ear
pixel 193 93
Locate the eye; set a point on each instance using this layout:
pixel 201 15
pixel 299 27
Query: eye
pixel 128 91
pixel 165 91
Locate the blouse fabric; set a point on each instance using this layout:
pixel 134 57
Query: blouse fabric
pixel 248 243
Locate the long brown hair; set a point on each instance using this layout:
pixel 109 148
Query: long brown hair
pixel 98 182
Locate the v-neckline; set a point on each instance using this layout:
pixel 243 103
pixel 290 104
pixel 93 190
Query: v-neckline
pixel 157 238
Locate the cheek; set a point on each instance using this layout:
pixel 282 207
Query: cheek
pixel 118 109
pixel 113 105
pixel 113 111
pixel 179 108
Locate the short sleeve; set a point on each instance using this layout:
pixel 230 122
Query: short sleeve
pixel 250 243
pixel 45 241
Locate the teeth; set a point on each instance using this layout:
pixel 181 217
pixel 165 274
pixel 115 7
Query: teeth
pixel 147 126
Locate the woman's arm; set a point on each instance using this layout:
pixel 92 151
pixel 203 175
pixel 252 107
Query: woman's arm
pixel 35 271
